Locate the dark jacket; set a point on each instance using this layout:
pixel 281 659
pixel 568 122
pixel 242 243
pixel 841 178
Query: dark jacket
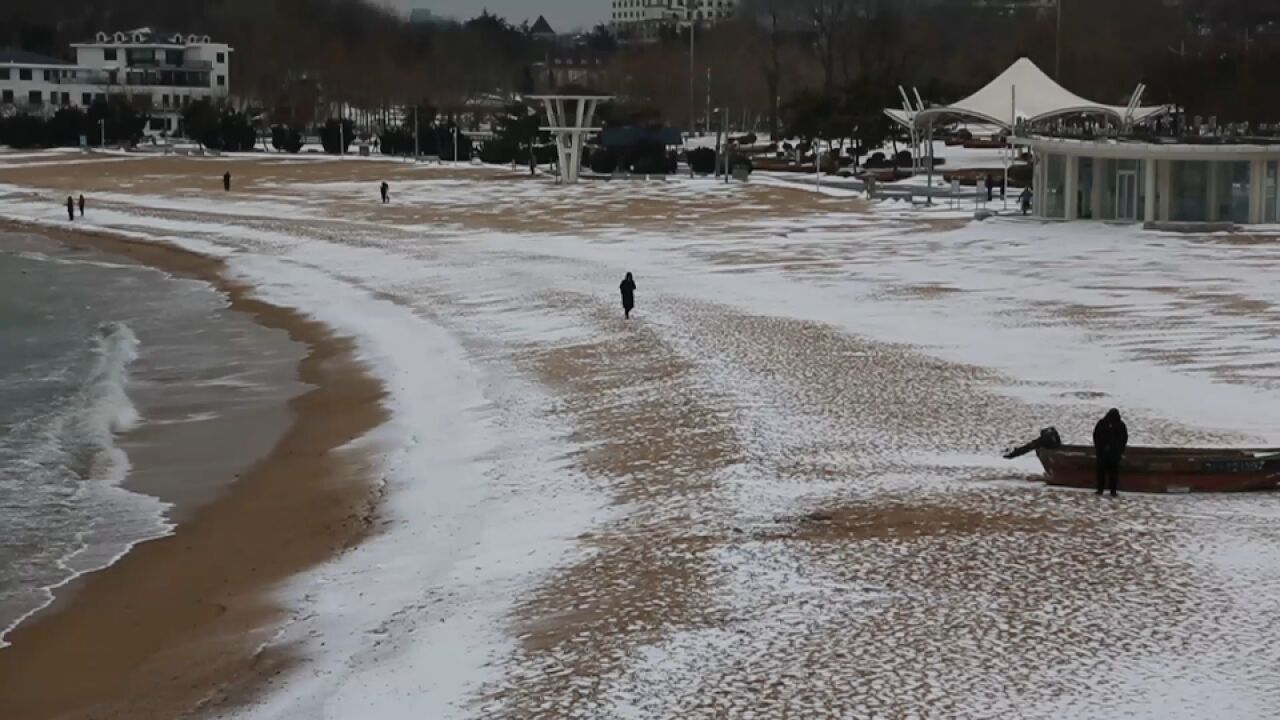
pixel 628 288
pixel 1110 437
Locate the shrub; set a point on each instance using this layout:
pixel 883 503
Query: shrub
pixel 336 138
pixel 877 160
pixel 287 139
pixel 702 160
pixel 603 160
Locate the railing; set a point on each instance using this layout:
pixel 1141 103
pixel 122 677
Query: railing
pixel 161 64
pixel 1168 129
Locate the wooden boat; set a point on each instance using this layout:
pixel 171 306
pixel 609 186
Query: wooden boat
pixel 1167 470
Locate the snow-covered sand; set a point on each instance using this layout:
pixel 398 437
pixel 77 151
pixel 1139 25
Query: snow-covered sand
pixel 776 492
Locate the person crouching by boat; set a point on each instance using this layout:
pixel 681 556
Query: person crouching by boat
pixel 1110 438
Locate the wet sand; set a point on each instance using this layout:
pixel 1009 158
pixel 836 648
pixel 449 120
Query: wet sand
pixel 180 620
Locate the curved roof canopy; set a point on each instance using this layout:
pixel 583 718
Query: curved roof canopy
pixel 1023 93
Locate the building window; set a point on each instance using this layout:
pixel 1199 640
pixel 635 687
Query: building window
pixel 24 73
pixel 50 75
pixel 66 99
pixel 173 57
pixel 222 57
pixel 157 123
pixel 4 73
pixel 6 97
pixel 35 97
pixel 109 54
pixel 164 101
pixel 86 99
pixel 222 81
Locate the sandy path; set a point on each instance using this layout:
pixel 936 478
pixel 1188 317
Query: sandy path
pixel 809 524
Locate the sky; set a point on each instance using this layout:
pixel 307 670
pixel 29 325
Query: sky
pixel 562 14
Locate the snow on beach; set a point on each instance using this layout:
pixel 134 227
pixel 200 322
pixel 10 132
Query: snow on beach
pixel 778 489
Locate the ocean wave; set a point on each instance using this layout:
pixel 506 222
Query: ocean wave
pixel 106 409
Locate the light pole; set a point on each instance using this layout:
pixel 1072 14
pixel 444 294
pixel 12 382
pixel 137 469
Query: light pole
pixel 1057 63
pixel 693 30
pixel 102 125
pixel 416 153
pixel 455 143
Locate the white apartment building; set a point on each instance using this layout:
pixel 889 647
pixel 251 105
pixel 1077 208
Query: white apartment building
pixel 159 71
pixel 645 19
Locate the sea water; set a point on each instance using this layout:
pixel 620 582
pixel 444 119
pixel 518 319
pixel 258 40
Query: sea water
pixel 121 389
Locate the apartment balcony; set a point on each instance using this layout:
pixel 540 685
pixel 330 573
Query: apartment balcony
pixel 160 64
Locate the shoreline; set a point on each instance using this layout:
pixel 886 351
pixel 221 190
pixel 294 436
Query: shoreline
pixel 181 619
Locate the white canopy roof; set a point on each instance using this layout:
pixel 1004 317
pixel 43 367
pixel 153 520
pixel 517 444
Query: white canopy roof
pixel 1023 92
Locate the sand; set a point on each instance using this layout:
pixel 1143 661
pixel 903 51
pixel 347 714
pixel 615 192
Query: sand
pixel 179 620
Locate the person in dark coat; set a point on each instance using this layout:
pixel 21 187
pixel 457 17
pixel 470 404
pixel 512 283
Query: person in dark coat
pixel 386 193
pixel 628 288
pixel 226 182
pixel 1110 438
pixel 1025 200
pixel 71 208
pixel 81 204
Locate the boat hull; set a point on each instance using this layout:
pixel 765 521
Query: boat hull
pixel 1168 470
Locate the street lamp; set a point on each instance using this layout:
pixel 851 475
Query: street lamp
pixel 102 125
pixel 455 143
pixel 1057 63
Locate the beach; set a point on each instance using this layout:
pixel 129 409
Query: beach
pixel 181 615
pixel 776 490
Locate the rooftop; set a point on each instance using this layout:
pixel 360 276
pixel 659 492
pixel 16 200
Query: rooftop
pixel 146 36
pixel 12 56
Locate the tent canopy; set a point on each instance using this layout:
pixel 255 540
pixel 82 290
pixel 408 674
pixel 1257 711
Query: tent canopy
pixel 1022 93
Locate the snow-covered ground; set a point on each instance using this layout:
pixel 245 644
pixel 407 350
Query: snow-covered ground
pixel 777 491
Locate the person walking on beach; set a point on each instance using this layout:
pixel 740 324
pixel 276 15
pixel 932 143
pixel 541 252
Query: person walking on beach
pixel 628 288
pixel 386 193
pixel 81 204
pixel 1110 438
pixel 71 209
pixel 226 182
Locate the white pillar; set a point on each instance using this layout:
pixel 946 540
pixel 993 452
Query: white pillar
pixel 1257 190
pixel 1073 187
pixel 1149 167
pixel 1164 179
pixel 1099 182
pixel 1212 213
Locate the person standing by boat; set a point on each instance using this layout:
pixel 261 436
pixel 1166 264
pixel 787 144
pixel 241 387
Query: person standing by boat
pixel 1110 438
pixel 628 288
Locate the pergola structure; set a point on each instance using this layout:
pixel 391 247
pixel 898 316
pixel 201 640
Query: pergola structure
pixel 569 119
pixel 1022 93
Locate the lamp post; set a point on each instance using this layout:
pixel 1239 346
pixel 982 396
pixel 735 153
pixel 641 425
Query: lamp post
pixel 102 125
pixel 416 150
pixel 1057 62
pixel 693 31
pixel 455 143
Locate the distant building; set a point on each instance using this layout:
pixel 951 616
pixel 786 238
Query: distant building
pixel 571 68
pixel 646 19
pixel 423 16
pixel 542 30
pixel 161 72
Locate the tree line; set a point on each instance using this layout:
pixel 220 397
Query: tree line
pixel 299 63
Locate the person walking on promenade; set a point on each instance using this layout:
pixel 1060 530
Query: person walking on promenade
pixel 226 181
pixel 1110 438
pixel 1025 200
pixel 386 193
pixel 71 209
pixel 628 288
pixel 81 204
